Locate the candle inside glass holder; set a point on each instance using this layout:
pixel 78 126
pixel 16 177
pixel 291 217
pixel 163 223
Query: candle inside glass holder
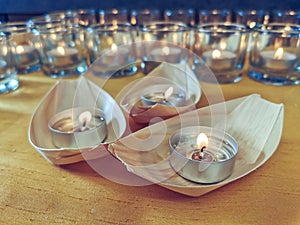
pixel 169 95
pixel 219 59
pixel 78 128
pixel 166 54
pixel 61 57
pixel 274 54
pixel 202 154
pixel 277 60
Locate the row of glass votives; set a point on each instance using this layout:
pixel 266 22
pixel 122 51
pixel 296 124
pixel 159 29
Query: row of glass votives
pixel 191 17
pixel 63 49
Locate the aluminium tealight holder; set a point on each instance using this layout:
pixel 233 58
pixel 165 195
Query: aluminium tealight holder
pixel 217 162
pixel 146 100
pixel 71 98
pixel 68 131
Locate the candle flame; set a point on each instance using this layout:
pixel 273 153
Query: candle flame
pixel 85 117
pixel 61 50
pixel 216 54
pixel 223 45
pixel 114 47
pixel 168 93
pixel 19 49
pixel 202 141
pixel 278 54
pixel 165 50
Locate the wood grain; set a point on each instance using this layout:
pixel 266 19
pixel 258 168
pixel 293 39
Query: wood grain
pixel 33 191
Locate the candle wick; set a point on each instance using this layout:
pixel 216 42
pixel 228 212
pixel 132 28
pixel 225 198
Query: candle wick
pixel 201 155
pixel 83 127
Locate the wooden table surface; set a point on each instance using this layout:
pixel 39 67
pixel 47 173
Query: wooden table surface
pixel 33 191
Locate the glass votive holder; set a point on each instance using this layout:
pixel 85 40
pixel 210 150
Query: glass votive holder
pixel 214 16
pixel 112 50
pixel 8 74
pixel 81 17
pixel 251 18
pixel 186 16
pixel 86 17
pixel 140 17
pixel 165 42
pixel 63 50
pixel 25 42
pixel 113 16
pixel 222 47
pixel 286 16
pixel 275 54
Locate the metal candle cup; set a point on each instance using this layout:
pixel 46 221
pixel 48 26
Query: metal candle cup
pixel 69 132
pixel 156 94
pixel 215 164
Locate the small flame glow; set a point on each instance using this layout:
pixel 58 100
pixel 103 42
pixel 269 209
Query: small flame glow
pixel 85 117
pixel 168 93
pixel 19 49
pixel 278 54
pixel 165 50
pixel 61 50
pixel 202 141
pixel 114 47
pixel 216 54
pixel 223 45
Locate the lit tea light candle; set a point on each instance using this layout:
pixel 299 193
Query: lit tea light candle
pixel 219 59
pixel 166 54
pixel 26 55
pixel 115 56
pixel 163 94
pixel 63 56
pixel 202 154
pixel 277 60
pixel 78 127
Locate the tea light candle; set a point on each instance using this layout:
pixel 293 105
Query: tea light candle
pixel 62 56
pixel 78 128
pixel 166 54
pixel 277 60
pixel 115 56
pixel 219 59
pixel 202 154
pixel 26 55
pixel 163 94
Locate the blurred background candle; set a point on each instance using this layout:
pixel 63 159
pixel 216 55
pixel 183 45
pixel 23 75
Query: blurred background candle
pixel 112 49
pixel 274 56
pixel 26 55
pixel 62 56
pixel 223 47
pixel 163 42
pixel 63 48
pixel 169 54
pixel 278 59
pixel 219 59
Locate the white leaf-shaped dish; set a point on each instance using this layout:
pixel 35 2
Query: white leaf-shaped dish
pixel 165 74
pixel 70 94
pixel 153 164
